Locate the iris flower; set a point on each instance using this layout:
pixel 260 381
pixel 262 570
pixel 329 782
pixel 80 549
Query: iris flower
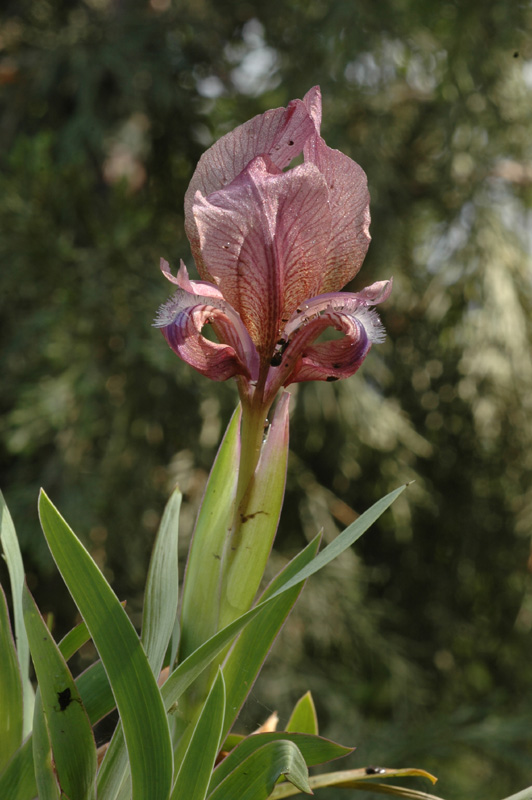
pixel 274 247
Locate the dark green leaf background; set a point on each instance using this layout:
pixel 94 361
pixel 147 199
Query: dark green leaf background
pixel 416 648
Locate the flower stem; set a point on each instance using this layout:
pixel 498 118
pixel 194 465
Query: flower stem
pixel 251 438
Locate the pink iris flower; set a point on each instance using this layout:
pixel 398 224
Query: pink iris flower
pixel 273 249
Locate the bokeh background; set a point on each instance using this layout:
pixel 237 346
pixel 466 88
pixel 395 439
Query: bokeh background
pixel 417 645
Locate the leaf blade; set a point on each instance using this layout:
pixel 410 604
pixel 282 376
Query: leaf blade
pixel 303 718
pixel 10 546
pixel 136 693
pixel 68 726
pixel 199 615
pixel 314 749
pixel 254 778
pixel 196 768
pixel 11 699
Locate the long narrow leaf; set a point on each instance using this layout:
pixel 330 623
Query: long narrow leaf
pixel 257 528
pixel 187 672
pixel 346 538
pixel 314 749
pixel 255 777
pixel 73 748
pixel 45 776
pixel 245 660
pixel 10 690
pixel 200 606
pixel 10 546
pixel 160 611
pixel 162 588
pixel 196 768
pixel 17 781
pixel 363 781
pixel 135 689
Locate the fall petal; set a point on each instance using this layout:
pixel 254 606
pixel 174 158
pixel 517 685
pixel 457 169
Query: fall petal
pixel 183 317
pixel 279 133
pixel 264 240
pixel 298 357
pixel 349 204
pixel 216 361
pixel 338 358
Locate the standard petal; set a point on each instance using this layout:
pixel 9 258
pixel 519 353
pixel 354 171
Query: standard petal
pixel 349 204
pixel 312 101
pixel 279 133
pixel 264 240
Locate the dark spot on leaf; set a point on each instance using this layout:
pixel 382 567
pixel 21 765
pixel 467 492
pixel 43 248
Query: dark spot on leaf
pixel 246 517
pixel 64 698
pixel 332 378
pixel 516 54
pixel 336 366
pixel 375 770
pixel 290 142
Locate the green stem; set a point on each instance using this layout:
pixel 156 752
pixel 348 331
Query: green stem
pixel 251 438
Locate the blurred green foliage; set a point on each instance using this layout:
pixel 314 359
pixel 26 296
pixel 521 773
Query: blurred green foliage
pixel 417 647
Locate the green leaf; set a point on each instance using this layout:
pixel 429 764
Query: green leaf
pixel 11 549
pixel 162 588
pixel 200 608
pixel 254 778
pixel 187 672
pixel 258 528
pixel 160 611
pixel 45 776
pixel 74 640
pixel 346 538
pixel 314 750
pixel 95 692
pixel 244 662
pixel 359 779
pixel 73 748
pixel 18 779
pixel 135 689
pixel 11 715
pixel 303 718
pixel 196 767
